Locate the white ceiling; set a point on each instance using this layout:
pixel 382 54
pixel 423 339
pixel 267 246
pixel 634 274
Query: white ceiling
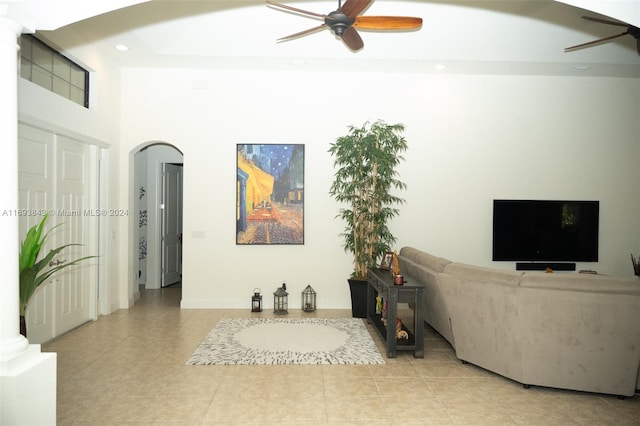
pixel 472 36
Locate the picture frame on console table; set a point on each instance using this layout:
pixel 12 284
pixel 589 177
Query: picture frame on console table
pixel 387 259
pixel 269 194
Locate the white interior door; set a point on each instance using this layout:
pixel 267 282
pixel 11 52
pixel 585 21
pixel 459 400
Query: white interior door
pixel 76 284
pixel 171 210
pixel 35 189
pixel 56 175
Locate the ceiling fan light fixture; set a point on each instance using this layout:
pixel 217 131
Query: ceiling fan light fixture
pixel 338 22
pixel 344 21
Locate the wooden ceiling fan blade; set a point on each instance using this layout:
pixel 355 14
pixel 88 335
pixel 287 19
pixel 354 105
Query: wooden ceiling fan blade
pixel 387 22
pixel 352 39
pixel 594 42
pixel 353 8
pixel 303 33
pixel 605 21
pixel 295 9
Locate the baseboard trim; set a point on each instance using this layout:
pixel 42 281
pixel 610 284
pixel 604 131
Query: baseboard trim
pixel 245 304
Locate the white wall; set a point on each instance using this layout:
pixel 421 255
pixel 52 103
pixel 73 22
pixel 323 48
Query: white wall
pixel 471 139
pixel 141 211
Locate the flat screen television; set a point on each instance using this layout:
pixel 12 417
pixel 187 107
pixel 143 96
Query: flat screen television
pixel 549 231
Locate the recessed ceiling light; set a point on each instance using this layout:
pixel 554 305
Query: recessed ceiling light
pixel 440 67
pixel 580 68
pixel 122 47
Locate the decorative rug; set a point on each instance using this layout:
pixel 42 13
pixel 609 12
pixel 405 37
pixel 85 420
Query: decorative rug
pixel 287 341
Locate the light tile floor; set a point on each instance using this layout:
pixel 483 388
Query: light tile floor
pixel 129 368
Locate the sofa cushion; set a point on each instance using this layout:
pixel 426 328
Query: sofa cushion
pixel 434 309
pixel 435 263
pixel 416 271
pixel 592 283
pixel 480 273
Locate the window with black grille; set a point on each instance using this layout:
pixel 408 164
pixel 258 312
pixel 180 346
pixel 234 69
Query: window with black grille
pixel 48 68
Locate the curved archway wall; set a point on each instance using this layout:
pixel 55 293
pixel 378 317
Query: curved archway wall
pixel 145 220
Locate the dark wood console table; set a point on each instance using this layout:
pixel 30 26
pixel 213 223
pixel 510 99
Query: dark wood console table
pixel 381 282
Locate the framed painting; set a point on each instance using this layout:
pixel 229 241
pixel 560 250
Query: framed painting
pixel 270 194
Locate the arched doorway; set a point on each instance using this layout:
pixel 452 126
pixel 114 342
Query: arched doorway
pixel 157 218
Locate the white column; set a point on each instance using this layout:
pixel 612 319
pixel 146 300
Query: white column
pixel 11 341
pixel 27 376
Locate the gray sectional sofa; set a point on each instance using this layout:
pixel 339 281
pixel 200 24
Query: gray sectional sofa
pixel 562 330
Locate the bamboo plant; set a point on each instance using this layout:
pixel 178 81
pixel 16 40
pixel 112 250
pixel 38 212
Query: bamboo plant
pixel 34 272
pixel 366 177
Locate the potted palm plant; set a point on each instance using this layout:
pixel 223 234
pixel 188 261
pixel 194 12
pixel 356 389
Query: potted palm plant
pixel 366 177
pixel 34 271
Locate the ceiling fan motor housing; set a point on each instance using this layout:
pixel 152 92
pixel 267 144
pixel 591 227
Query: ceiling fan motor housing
pixel 338 22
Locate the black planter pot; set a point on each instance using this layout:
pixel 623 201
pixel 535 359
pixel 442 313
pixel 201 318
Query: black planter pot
pixel 23 326
pixel 358 298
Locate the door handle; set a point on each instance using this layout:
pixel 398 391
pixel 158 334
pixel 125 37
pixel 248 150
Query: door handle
pixel 57 262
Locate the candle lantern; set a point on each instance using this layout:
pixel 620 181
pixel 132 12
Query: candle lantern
pixel 308 299
pixel 281 300
pixel 256 301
